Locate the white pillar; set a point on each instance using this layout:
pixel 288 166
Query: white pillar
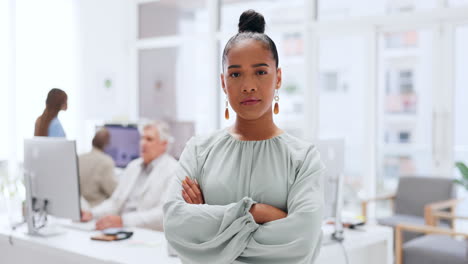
pixel 311 89
pixel 12 124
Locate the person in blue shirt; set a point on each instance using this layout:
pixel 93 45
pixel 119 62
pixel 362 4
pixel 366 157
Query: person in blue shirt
pixel 47 124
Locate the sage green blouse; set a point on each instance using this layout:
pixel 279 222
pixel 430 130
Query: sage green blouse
pixel 283 171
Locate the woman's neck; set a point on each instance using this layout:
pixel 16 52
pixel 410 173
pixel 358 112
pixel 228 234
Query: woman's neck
pixel 258 129
pixel 51 113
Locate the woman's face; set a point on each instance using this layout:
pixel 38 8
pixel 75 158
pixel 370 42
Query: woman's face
pixel 250 78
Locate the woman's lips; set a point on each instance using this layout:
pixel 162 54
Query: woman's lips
pixel 250 101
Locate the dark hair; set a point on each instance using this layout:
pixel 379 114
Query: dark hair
pixel 101 138
pixel 54 102
pixel 252 26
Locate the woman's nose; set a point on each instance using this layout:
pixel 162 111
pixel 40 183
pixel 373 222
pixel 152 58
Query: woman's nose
pixel 249 85
pixel 252 89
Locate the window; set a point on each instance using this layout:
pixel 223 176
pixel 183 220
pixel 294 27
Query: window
pixel 343 70
pixel 398 40
pixel 343 9
pixel 400 96
pixel 291 58
pixel 405 116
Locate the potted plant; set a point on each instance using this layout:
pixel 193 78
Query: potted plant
pixel 464 172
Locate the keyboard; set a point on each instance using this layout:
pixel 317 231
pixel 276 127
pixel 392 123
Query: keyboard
pixel 82 226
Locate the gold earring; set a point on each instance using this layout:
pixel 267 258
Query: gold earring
pixel 276 108
pixel 226 112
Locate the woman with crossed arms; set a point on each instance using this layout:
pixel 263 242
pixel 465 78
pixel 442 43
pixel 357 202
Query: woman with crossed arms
pixel 250 193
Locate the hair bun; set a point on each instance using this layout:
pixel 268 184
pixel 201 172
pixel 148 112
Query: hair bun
pixel 251 21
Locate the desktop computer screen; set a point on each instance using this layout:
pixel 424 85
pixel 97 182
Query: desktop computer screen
pixel 332 156
pixel 124 144
pixel 51 177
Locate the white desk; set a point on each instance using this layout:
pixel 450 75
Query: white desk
pixel 373 244
pixel 369 244
pixel 75 246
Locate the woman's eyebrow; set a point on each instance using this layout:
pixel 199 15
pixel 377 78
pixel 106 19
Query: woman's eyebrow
pixel 253 65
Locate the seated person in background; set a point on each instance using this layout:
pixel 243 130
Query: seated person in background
pixel 97 180
pixel 140 195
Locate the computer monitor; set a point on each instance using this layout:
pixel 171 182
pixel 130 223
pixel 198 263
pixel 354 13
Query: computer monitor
pixel 51 179
pixel 332 155
pixel 124 143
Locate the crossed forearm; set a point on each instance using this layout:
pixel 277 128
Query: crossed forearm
pixel 262 213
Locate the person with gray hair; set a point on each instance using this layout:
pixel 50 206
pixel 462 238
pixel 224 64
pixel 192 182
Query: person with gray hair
pixel 140 195
pixel 163 129
pixel 97 180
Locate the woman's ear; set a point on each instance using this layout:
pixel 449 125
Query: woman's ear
pixel 223 84
pixel 279 78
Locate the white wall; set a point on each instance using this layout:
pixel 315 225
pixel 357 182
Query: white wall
pixel 5 76
pixel 45 58
pixel 157 83
pixel 105 43
pixel 74 45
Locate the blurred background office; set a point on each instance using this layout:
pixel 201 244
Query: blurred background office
pixel 388 76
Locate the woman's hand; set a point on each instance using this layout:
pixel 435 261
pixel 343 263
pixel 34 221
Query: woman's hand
pixel 264 213
pixel 192 193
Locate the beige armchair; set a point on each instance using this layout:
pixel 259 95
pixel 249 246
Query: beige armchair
pixel 409 204
pixel 443 210
pixel 365 203
pixel 437 246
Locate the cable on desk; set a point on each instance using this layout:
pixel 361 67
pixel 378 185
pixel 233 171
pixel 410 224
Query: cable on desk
pixel 345 253
pixel 338 236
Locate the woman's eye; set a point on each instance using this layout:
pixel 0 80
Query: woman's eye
pixel 261 72
pixel 235 74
